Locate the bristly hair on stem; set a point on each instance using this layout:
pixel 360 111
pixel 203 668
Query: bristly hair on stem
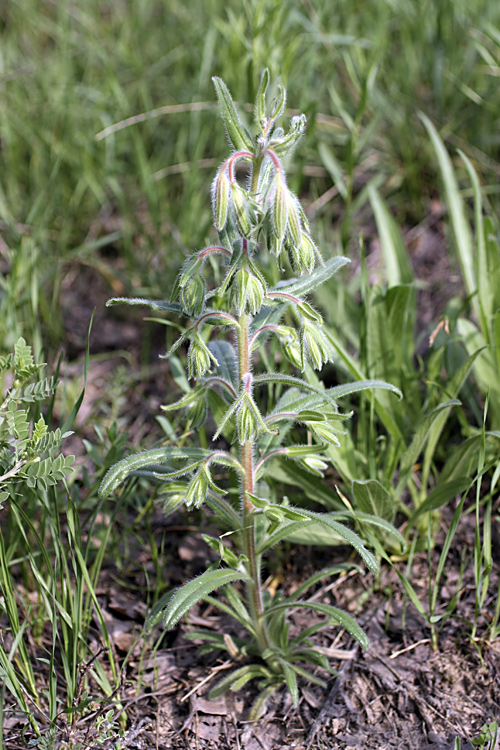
pixel 259 223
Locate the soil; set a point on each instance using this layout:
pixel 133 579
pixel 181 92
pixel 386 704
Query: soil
pixel 401 693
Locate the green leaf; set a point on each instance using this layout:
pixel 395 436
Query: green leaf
pixel 237 134
pixel 154 304
pixel 440 495
pixel 197 589
pixel 227 367
pixel 342 618
pixel 411 454
pixel 347 534
pixel 237 679
pixel 371 497
pixel 120 471
pixel 291 680
pixel 307 284
pixel 156 613
pixel 397 265
pixel 361 385
pixel 273 377
pixel 456 207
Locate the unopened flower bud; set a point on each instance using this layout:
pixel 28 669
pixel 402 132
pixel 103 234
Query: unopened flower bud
pixel 255 294
pixel 294 224
pixel 192 296
pixel 314 346
pixel 325 431
pixel 247 423
pixel 239 210
pixel 313 465
pixel 292 352
pixel 220 199
pixel 280 207
pixel 200 359
pixel 302 254
pixel 197 489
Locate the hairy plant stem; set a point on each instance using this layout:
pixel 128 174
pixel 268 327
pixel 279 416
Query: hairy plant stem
pixel 254 588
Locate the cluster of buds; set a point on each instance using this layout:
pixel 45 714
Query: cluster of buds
pixel 257 218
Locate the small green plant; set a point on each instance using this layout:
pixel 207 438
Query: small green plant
pixel 487 737
pixel 28 450
pixel 262 230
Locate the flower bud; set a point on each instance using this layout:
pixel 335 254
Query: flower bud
pixel 197 489
pixel 314 346
pixel 173 500
pixel 294 224
pixel 292 353
pixel 200 359
pixel 192 296
pixel 239 210
pixel 313 465
pixel 255 294
pixel 220 199
pixel 246 423
pixel 280 207
pixel 325 432
pixel 302 255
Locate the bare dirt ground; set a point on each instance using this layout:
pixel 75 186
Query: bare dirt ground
pixel 399 694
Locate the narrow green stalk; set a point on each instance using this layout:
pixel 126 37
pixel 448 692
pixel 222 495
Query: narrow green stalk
pixel 254 588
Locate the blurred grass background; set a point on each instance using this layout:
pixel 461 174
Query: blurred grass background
pixel 129 205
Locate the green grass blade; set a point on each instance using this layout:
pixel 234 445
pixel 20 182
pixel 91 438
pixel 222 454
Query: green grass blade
pixel 456 207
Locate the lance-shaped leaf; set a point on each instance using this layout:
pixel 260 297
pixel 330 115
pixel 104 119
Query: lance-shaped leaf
pixel 120 471
pixel 195 591
pixel 273 377
pixel 341 617
pixel 307 284
pixel 260 100
pixel 152 303
pixel 347 534
pixel 236 133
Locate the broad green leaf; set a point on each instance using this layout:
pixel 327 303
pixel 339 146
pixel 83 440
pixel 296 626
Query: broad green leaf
pixel 411 454
pixel 456 207
pixel 314 535
pixel 237 679
pixel 285 531
pixel 347 534
pixel 234 129
pixel 342 618
pixel 453 387
pixel 192 592
pixel 321 576
pixel 227 367
pixel 486 293
pixel 439 496
pixel 397 265
pixel 463 461
pixel 308 283
pixel 120 471
pixel 373 498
